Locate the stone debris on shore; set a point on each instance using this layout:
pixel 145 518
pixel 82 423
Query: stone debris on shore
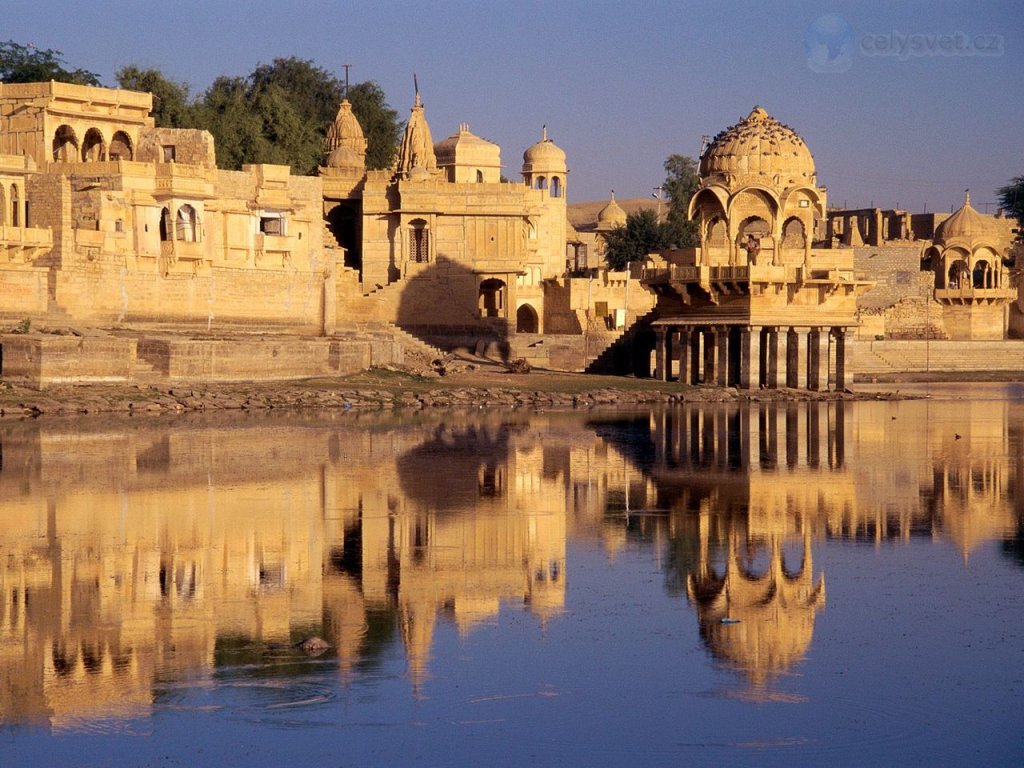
pixel 142 400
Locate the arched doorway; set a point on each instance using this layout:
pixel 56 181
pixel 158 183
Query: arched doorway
pixel 186 225
pixel 527 320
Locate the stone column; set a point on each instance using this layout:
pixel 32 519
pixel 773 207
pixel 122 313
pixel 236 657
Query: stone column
pixel 817 359
pixel 722 364
pixel 803 352
pixel 844 359
pixel 771 359
pixel 709 356
pixel 750 358
pixel 684 355
pixel 669 353
pixel 793 358
pixel 695 337
pixel 659 354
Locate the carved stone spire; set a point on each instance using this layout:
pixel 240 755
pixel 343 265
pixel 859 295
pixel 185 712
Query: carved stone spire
pixel 417 150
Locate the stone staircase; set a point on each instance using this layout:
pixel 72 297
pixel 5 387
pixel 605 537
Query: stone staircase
pixel 902 357
pixel 615 357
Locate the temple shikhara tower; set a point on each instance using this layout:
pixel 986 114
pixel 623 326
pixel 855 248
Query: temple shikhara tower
pixel 756 305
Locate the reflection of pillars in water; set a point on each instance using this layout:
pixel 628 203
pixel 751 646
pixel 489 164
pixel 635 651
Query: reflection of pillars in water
pixel 694 434
pixel 734 435
pixel 768 423
pixel 813 438
pixel 707 440
pixel 837 436
pixel 792 435
pixel 722 441
pixel 660 437
pixel 744 435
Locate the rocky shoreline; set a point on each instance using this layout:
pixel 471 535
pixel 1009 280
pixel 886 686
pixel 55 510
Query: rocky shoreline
pixel 385 391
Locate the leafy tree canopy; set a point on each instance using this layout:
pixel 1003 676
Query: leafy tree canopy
pixel 28 64
pixel 681 182
pixel 280 113
pixel 641 234
pixel 171 106
pixel 1011 198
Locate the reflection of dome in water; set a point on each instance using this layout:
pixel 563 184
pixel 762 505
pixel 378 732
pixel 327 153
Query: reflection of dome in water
pixel 759 146
pixel 775 612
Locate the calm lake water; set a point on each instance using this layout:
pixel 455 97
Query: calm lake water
pixel 787 584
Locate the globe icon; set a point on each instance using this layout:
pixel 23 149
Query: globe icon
pixel 828 43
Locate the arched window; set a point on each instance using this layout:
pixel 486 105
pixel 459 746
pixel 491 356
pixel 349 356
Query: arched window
pixel 94 146
pixel 165 225
pixel 556 186
pixel 492 298
pixel 121 147
pixel 542 182
pixel 793 233
pixel 527 320
pixel 982 275
pixel 958 275
pixel 65 145
pixel 716 231
pixel 419 241
pixel 186 224
pixel 3 205
pixel 479 177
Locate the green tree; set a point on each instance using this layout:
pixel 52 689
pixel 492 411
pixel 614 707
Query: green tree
pixel 171 107
pixel 280 113
pixel 379 121
pixel 641 234
pixel 28 64
pixel 1011 198
pixel 681 182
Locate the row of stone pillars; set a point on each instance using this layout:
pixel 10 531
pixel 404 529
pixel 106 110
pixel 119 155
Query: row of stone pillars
pixel 753 357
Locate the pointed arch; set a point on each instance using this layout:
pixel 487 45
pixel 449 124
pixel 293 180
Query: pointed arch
pixel 527 320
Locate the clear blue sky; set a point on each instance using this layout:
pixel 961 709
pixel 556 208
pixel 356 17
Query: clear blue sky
pixel 621 85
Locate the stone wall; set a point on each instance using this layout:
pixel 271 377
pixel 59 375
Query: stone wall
pixel 41 361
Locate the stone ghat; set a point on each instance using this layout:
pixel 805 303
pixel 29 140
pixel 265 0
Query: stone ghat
pixel 19 402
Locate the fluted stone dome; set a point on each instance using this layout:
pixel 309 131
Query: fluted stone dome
pixel 345 143
pixel 611 216
pixel 966 226
pixel 759 149
pixel 545 155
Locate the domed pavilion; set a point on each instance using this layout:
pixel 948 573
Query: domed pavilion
pixel 755 305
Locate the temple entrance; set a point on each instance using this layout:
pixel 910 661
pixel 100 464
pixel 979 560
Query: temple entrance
pixel 492 298
pixel 345 223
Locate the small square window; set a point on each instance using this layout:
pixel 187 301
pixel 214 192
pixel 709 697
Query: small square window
pixel 169 153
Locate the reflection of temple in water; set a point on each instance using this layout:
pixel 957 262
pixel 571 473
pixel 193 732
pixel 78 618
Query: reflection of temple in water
pixel 137 556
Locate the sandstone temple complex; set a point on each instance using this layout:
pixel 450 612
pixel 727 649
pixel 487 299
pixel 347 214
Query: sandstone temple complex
pixel 126 254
